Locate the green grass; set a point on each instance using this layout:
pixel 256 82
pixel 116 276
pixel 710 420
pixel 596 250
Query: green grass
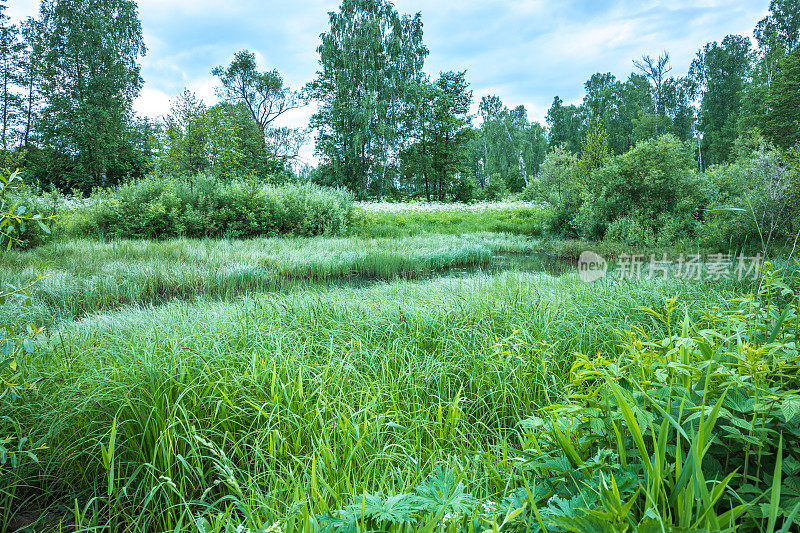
pixel 85 276
pixel 290 404
pixel 399 220
pixel 391 384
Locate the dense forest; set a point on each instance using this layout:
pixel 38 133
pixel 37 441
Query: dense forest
pixel 383 129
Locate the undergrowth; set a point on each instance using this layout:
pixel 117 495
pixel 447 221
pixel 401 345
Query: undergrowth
pixel 391 407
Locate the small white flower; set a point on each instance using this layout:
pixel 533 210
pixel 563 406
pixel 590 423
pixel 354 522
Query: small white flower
pixel 274 528
pixel 490 507
pixel 452 518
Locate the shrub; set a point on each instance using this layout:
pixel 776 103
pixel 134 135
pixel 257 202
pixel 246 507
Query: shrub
pixel 157 208
pixel 752 201
pixel 557 185
pixel 630 231
pixel 495 188
pixel 654 178
pixel 465 189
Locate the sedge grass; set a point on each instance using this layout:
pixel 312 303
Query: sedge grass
pixel 290 404
pixel 86 276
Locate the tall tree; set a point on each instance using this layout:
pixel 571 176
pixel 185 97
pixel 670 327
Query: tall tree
pixel 656 70
pixel 186 136
pixel 371 58
pixel 565 124
pixel 599 99
pixel 90 77
pixel 442 125
pixel 782 121
pixel 778 36
pixel 594 150
pixel 29 78
pixel 508 146
pixel 781 28
pixel 449 128
pixel 264 96
pixel 10 51
pixel 679 108
pixel 720 72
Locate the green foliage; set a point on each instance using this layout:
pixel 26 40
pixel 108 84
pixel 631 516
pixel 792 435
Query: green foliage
pixel 263 97
pixel 782 122
pixel 720 71
pixel 507 145
pixel 371 58
pixel 11 53
pixel 160 208
pixel 21 220
pixel 17 343
pixel 594 150
pixel 691 431
pixel 89 78
pixel 464 189
pixel 565 123
pixel 753 200
pixel 451 220
pixel 557 185
pixel 495 188
pixel 652 184
pixel 223 139
pixel 436 164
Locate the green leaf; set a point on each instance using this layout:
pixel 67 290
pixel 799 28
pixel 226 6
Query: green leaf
pixel 775 497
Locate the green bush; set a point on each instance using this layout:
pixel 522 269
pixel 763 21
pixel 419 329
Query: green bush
pixel 629 230
pixel 752 200
pixel 465 189
pixel 654 180
pixel 158 208
pixel 495 188
pixel 557 186
pixel 27 218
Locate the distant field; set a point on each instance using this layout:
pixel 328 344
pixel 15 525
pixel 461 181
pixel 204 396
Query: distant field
pixel 400 219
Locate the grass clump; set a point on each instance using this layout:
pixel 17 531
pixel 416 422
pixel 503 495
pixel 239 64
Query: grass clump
pixel 397 220
pixel 87 276
pixel 287 407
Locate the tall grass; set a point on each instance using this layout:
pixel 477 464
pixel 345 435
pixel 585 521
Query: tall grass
pixel 397 220
pixel 86 276
pixel 284 407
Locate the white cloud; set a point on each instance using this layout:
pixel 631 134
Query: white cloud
pixel 525 51
pixel 152 103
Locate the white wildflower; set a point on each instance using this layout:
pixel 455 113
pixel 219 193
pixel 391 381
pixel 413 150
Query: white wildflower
pixel 489 507
pixel 274 528
pixel 452 518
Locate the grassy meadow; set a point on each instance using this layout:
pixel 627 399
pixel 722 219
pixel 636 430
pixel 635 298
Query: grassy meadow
pixel 419 382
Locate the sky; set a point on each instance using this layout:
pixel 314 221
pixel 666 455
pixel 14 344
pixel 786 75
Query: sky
pixel 524 51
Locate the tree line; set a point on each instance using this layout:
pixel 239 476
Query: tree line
pixel 383 127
